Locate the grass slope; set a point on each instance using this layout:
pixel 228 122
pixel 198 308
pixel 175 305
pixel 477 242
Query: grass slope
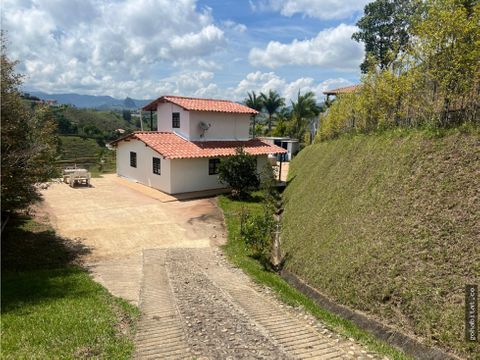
pixel 237 252
pixel 85 152
pixel 52 309
pixel 106 121
pixel 390 224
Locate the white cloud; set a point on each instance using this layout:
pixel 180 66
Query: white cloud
pixel 230 24
pixel 95 46
pixel 262 82
pixel 193 44
pixel 322 9
pixel 332 48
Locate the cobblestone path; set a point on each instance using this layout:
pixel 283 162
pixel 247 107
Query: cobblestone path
pixel 196 306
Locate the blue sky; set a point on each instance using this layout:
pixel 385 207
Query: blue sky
pixel 206 48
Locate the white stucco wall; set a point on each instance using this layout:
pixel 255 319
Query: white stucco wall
pixel 143 173
pixel 177 175
pixel 192 175
pixel 224 126
pixel 164 118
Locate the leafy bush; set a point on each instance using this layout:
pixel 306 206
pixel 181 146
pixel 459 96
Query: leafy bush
pixel 435 83
pixel 28 142
pixel 256 231
pixel 240 173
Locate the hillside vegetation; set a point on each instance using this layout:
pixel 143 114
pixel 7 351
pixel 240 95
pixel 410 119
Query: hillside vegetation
pixel 85 152
pixel 389 224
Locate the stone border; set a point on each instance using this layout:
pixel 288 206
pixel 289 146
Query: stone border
pixel 407 344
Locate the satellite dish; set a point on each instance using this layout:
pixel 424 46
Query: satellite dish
pixel 204 126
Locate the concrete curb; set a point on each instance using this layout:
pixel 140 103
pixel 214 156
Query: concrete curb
pixel 405 343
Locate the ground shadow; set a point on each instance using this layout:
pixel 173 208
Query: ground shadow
pixel 291 180
pixel 35 262
pixel 83 186
pixel 202 218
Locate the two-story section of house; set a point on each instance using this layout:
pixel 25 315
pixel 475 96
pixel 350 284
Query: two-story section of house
pixel 193 135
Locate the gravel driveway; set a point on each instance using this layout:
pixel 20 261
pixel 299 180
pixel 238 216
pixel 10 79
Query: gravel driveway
pixel 163 255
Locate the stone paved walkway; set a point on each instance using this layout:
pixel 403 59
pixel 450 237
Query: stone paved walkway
pixel 163 257
pixel 195 305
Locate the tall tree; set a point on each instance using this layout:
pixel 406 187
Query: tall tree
pixel 254 102
pixel 304 110
pixel 28 142
pixel 283 120
pixel 385 30
pixel 272 103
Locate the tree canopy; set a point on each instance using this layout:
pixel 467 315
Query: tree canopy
pixel 434 83
pixel 28 142
pixel 272 102
pixel 385 31
pixel 254 102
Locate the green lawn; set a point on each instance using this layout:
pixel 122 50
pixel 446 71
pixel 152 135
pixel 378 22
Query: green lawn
pixel 239 255
pixel 52 308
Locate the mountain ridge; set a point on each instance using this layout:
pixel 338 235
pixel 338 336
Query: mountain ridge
pixel 100 102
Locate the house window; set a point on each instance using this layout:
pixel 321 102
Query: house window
pixel 213 166
pixel 156 165
pixel 133 159
pixel 176 120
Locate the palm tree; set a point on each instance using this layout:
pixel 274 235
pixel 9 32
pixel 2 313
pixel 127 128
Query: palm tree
pixel 304 109
pixel 254 102
pixel 272 103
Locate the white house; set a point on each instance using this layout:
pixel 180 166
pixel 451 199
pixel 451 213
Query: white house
pixel 291 145
pixel 193 134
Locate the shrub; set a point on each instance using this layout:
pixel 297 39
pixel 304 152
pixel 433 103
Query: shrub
pixel 256 231
pixel 435 83
pixel 240 173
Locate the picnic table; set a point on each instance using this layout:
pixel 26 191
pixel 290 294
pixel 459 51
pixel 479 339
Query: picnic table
pixel 72 175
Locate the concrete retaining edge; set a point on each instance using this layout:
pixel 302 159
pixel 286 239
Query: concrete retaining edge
pixel 405 343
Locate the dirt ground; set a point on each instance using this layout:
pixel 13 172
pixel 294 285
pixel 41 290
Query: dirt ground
pixel 117 221
pixel 163 256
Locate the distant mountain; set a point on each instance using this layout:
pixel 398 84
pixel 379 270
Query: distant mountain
pixel 129 103
pixel 91 101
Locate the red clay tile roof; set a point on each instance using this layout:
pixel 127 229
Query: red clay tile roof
pixel 197 104
pixel 172 146
pixel 342 90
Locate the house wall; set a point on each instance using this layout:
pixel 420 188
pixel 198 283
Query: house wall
pixel 177 175
pixel 192 175
pixel 143 173
pixel 164 118
pixel 224 126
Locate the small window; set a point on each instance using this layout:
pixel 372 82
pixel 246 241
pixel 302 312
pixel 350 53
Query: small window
pixel 156 165
pixel 213 166
pixel 133 159
pixel 176 120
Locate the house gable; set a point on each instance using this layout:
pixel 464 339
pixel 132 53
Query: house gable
pixel 202 119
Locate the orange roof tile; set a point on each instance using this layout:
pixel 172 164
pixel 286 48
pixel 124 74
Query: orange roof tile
pixel 197 104
pixel 342 90
pixel 172 146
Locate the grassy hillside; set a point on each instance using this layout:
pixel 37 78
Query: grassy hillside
pixel 106 121
pixel 85 152
pixel 390 224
